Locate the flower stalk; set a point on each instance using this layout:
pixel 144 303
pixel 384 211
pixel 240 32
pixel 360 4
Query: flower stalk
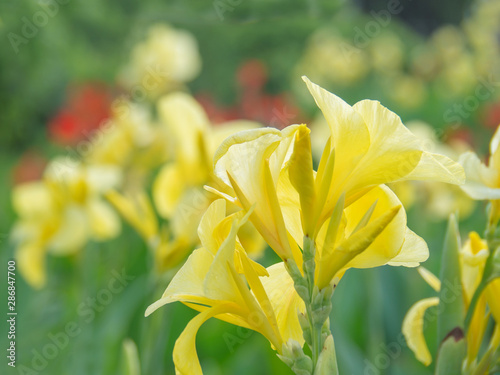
pixel 314 322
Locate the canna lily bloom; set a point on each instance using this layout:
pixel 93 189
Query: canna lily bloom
pixel 368 146
pixel 178 192
pixel 473 257
pixel 61 213
pixel 483 181
pixel 165 61
pixel 131 141
pixel 220 280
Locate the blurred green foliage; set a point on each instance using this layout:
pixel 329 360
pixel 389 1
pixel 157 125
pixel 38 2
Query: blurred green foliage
pixel 90 41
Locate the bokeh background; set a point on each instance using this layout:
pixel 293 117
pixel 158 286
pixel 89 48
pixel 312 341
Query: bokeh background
pixel 433 63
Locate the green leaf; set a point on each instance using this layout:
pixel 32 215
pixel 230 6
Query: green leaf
pixel 131 358
pixel 327 360
pixel 451 304
pixel 451 353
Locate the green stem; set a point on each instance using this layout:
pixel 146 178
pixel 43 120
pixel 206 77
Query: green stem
pixel 309 267
pixel 317 303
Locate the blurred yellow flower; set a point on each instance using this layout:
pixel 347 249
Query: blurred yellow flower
pixel 131 141
pixel 163 62
pixel 406 90
pixel 438 200
pixel 178 193
pixel 483 181
pixel 61 213
pixel 330 58
pixel 387 53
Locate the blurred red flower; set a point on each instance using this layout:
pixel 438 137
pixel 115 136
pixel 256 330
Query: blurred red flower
pixel 85 110
pixel 29 167
pixel 491 115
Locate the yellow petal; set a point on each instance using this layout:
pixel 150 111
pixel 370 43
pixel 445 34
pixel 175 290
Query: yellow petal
pixel 30 258
pixel 73 232
pixel 476 329
pixel 352 247
pixel 481 180
pixel 137 211
pixel 185 355
pixel 188 213
pixel 388 244
pixel 437 167
pixel 430 278
pixel 413 329
pixel 285 302
pixel 102 178
pixel 215 213
pixel 187 284
pixel 395 148
pixel 413 252
pixel 167 189
pixel 495 141
pixel 492 292
pixel 251 240
pixel 222 131
pixel 218 283
pixel 473 256
pixel 289 201
pixel 260 294
pixel 250 162
pixel 186 120
pixel 373 147
pixel 32 200
pixel 350 135
pixel 104 222
pixel 394 151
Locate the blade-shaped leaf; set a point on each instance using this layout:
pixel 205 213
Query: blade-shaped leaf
pixel 451 304
pixel 451 354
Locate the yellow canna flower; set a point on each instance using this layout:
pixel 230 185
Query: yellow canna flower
pixel 138 212
pixel 327 221
pixel 369 146
pixel 215 280
pixel 61 213
pixel 473 256
pixel 131 141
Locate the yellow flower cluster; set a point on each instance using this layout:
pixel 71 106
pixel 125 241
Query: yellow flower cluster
pixel 326 221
